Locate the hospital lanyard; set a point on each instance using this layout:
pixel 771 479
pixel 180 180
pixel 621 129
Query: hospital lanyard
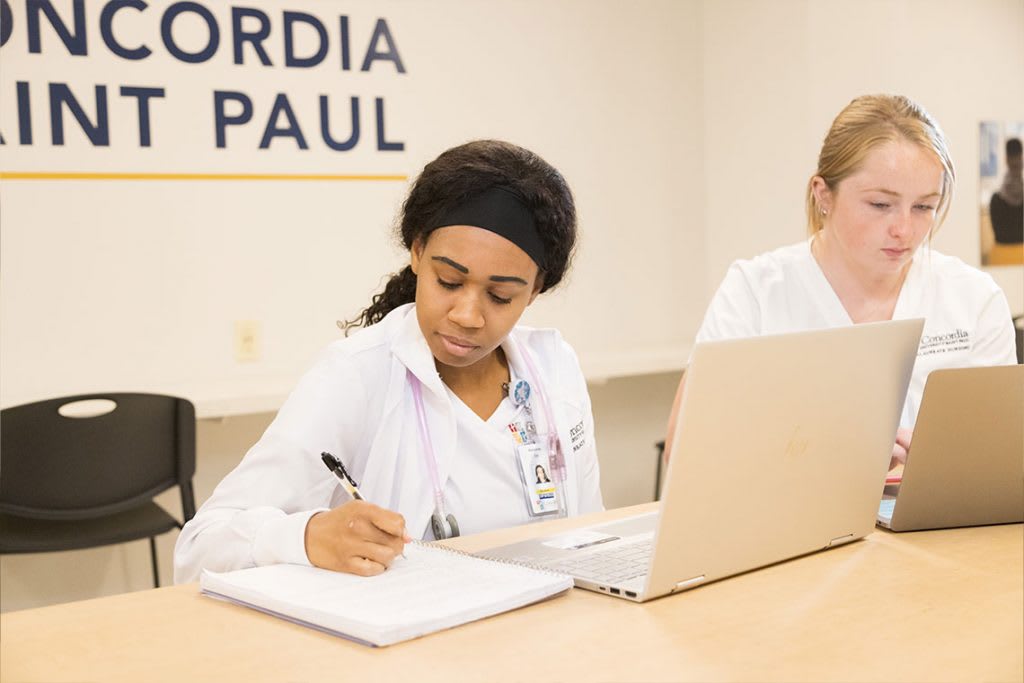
pixel 557 459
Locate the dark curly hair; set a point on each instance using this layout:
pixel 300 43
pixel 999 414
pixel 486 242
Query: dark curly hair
pixel 462 173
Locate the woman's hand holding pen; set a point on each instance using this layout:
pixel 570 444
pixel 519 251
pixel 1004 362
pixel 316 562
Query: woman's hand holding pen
pixel 357 537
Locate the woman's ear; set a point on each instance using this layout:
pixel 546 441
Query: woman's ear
pixel 822 194
pixel 415 254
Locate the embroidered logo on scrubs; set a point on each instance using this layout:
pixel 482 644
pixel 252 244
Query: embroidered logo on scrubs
pixel 579 436
pixel 957 340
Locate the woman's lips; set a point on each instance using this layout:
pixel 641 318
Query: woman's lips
pixel 457 346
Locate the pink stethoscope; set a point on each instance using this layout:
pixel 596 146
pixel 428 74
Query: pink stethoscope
pixel 444 524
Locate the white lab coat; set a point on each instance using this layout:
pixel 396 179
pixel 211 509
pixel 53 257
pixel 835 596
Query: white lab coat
pixel 967 318
pixel 356 403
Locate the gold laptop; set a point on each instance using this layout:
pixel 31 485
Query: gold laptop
pixel 781 448
pixel 966 460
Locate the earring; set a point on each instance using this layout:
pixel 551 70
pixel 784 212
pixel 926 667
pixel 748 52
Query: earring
pixel 824 212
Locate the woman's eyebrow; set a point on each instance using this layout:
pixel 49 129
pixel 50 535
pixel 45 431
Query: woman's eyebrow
pixel 893 193
pixel 465 271
pixel 457 266
pixel 508 278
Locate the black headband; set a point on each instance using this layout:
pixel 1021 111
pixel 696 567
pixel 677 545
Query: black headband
pixel 503 212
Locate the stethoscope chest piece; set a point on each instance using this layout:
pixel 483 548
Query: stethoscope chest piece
pixel 444 528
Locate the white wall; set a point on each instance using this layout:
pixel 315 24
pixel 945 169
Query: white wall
pixel 146 278
pixel 776 74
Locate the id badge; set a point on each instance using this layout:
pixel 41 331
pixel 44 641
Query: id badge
pixel 538 487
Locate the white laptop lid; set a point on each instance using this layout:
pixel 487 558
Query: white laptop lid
pixel 781 448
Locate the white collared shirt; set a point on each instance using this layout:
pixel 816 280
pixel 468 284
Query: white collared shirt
pixel 967 318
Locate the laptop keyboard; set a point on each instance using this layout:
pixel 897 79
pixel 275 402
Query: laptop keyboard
pixel 609 565
pixel 886 507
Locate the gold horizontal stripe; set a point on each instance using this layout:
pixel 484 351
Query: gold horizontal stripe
pixel 42 175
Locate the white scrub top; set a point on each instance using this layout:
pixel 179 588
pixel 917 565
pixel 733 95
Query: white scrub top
pixel 967 318
pixel 486 475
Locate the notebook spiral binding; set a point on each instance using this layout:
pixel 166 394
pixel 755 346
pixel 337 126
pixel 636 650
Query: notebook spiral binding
pixel 500 560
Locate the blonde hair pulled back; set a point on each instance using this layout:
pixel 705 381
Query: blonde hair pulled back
pixel 864 124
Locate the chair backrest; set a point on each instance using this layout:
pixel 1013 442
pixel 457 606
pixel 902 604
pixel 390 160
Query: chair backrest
pixel 57 467
pixel 1018 327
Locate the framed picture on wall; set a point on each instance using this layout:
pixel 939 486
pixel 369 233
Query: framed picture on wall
pixel 1001 205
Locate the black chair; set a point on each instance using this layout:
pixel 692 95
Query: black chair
pixel 1018 327
pixel 78 482
pixel 659 446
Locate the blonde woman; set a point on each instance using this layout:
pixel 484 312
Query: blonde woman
pixel 882 188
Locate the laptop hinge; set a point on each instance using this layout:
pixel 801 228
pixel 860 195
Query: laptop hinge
pixel 689 583
pixel 839 540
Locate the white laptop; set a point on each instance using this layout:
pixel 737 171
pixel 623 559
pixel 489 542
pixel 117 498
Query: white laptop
pixel 781 448
pixel 966 460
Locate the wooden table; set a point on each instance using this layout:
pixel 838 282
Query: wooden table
pixel 934 605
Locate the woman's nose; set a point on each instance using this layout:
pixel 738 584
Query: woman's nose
pixel 902 224
pixel 467 312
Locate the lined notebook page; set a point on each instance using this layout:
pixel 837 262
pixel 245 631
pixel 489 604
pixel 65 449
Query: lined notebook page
pixel 430 589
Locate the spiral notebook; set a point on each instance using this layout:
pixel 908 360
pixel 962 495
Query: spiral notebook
pixel 431 589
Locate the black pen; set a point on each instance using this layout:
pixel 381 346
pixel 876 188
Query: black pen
pixel 347 482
